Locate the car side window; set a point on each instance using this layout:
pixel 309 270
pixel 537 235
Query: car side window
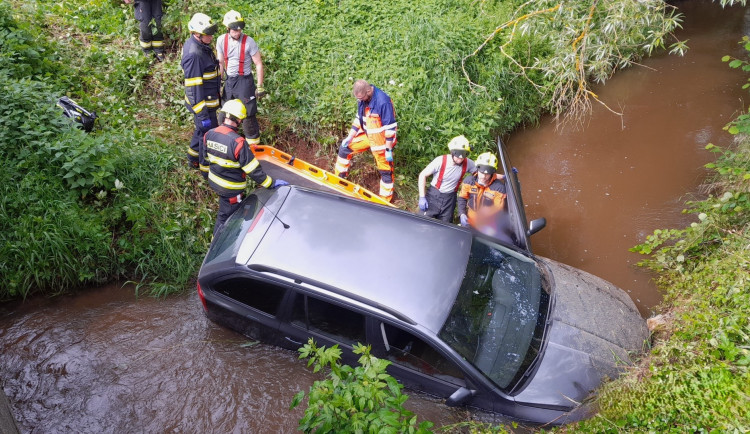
pixel 407 350
pixel 263 296
pixel 333 321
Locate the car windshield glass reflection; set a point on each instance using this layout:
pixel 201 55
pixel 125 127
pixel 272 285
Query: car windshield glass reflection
pixel 498 313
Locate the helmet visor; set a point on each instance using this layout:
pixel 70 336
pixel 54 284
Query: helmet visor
pixel 457 153
pixel 486 169
pixel 237 25
pixel 210 30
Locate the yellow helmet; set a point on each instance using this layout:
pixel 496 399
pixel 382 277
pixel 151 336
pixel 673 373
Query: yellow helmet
pixel 233 20
pixel 236 108
pixel 202 23
pixel 487 163
pixel 459 143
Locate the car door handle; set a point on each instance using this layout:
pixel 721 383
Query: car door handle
pixel 292 340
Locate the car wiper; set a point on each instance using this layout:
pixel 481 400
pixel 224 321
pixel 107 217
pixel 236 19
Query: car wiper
pixel 301 279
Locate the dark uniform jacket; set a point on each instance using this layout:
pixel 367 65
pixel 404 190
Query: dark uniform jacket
pixel 481 203
pixel 228 159
pixel 202 81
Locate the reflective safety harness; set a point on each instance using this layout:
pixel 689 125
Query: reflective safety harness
pixel 242 53
pixel 442 171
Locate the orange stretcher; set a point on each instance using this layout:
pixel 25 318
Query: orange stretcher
pixel 280 165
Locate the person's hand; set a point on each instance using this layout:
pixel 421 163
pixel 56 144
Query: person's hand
pixel 346 141
pixel 464 220
pixel 389 155
pixel 206 124
pixel 279 183
pixel 127 2
pixel 423 203
pixel 260 93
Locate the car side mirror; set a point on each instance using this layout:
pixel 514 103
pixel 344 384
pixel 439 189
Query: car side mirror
pixel 459 397
pixel 536 226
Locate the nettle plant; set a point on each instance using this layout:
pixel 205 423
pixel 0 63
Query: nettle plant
pixel 361 399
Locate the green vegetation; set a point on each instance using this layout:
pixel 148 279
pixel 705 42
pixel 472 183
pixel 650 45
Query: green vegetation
pixel 80 209
pixel 361 399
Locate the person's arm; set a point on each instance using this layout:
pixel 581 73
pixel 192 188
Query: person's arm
pixel 194 87
pixel 427 171
pixel 463 196
pixel 258 61
pixel 388 117
pixel 220 55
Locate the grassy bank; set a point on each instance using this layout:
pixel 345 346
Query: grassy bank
pixel 80 209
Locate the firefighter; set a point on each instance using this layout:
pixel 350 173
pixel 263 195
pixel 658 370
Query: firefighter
pixel 237 53
pixel 374 128
pixel 447 171
pixel 226 160
pixel 151 41
pixel 482 197
pixel 202 81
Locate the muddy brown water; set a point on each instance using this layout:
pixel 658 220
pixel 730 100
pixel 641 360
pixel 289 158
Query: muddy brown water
pixel 605 187
pixel 104 361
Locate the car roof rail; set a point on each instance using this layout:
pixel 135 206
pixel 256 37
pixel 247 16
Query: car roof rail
pixel 301 279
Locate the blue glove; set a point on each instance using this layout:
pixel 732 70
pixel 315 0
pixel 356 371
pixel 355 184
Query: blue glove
pixel 279 183
pixel 464 220
pixel 423 203
pixel 389 155
pixel 206 124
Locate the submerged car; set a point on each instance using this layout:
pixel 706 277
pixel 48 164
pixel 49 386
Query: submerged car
pixel 477 320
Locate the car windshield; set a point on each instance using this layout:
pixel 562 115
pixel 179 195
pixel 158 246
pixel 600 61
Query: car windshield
pixel 497 320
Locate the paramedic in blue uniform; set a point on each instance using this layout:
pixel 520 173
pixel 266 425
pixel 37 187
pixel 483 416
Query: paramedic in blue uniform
pixel 202 81
pixel 447 171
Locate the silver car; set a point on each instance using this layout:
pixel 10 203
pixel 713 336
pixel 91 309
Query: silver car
pixel 478 321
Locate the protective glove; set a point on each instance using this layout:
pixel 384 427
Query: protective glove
pixel 389 155
pixel 464 220
pixel 206 124
pixel 279 183
pixel 346 141
pixel 260 93
pixel 423 203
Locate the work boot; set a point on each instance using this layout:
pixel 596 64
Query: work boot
pixel 159 56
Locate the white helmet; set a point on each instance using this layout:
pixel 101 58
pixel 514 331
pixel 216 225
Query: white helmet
pixel 202 23
pixel 233 20
pixel 459 143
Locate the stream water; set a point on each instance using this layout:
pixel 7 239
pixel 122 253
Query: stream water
pixel 106 361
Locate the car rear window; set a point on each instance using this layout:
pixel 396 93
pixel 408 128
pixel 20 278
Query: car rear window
pixel 257 294
pixel 335 322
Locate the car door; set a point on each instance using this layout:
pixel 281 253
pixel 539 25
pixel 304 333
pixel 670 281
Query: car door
pixel 326 321
pixel 517 220
pixel 415 361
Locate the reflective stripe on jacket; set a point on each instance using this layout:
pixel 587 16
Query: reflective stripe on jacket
pixel 202 81
pixel 229 159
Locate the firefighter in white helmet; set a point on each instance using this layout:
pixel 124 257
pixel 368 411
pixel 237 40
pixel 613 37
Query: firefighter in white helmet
pixel 237 53
pixel 447 171
pixel 202 81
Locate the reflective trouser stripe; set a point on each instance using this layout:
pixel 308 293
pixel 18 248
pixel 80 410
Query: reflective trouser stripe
pixel 145 44
pixel 192 152
pixel 386 189
pixel 253 142
pixel 157 44
pixel 342 165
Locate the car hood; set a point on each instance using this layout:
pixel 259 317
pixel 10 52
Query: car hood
pixel 595 329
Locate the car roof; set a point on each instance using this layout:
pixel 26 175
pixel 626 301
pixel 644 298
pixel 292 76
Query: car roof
pixel 407 263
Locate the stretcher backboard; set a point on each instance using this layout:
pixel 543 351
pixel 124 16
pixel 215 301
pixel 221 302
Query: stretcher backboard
pixel 280 165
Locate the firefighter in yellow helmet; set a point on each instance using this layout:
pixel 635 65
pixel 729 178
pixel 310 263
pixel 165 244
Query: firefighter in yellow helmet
pixel 202 80
pixel 226 160
pixel 447 171
pixel 482 196
pixel 237 53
